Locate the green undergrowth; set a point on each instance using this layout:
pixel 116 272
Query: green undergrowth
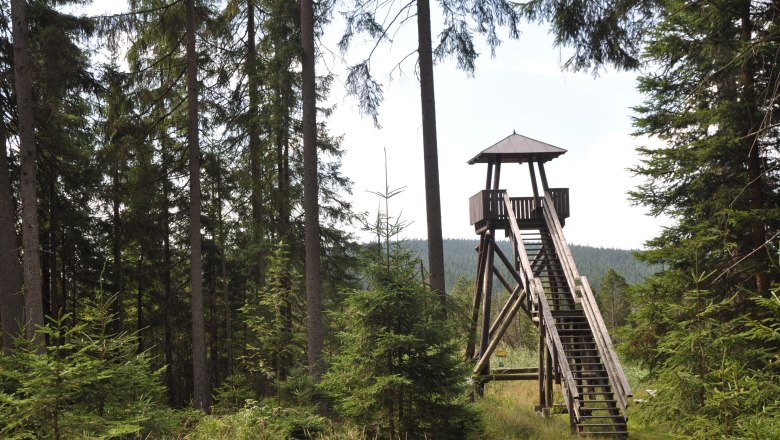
pixel 508 413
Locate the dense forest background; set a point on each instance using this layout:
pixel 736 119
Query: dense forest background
pixel 174 260
pixel 460 260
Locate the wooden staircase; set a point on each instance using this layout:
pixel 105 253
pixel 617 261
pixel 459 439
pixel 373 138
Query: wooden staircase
pixel 599 410
pixel 575 348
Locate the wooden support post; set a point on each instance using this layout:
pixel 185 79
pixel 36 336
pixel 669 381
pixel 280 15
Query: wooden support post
pixel 487 289
pixel 548 376
pixel 483 365
pixel 543 175
pixel 537 200
pixel 472 336
pixel 542 394
pixel 489 174
pixel 497 176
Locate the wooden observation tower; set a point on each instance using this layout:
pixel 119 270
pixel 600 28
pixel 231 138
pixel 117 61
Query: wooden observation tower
pixel 575 350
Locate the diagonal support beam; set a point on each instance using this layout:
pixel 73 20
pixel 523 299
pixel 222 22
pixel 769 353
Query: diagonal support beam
pixel 509 266
pixel 485 358
pixel 503 280
pixel 516 295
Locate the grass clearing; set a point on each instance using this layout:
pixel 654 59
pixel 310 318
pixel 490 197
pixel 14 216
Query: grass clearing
pixel 508 407
pixel 508 414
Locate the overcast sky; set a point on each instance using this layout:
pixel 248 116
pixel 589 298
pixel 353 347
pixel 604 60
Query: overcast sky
pixel 522 89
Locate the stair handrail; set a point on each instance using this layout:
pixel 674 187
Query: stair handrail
pixel 554 344
pixel 592 312
pixel 534 286
pixel 581 285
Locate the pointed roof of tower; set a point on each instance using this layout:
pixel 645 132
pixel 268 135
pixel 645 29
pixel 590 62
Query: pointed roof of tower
pixel 518 148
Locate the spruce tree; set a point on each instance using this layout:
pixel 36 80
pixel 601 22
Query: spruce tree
pixel 23 71
pixel 398 370
pixel 274 317
pixel 91 383
pixel 710 102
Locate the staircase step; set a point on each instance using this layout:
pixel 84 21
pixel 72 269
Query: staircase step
pixel 590 409
pixel 594 425
pixel 600 401
pixel 620 417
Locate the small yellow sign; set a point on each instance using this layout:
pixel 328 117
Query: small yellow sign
pixel 500 353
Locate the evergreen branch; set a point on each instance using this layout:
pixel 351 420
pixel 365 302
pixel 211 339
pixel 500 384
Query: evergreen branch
pixel 139 12
pixel 746 257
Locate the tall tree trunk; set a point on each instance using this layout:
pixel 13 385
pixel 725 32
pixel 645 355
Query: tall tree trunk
pixel 30 240
pixel 11 299
pixel 430 153
pixel 46 260
pixel 755 182
pixel 253 133
pixel 65 290
pixel 310 196
pixel 200 376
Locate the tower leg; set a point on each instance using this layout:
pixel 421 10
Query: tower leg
pixel 548 377
pixel 487 288
pixel 542 380
pixel 481 257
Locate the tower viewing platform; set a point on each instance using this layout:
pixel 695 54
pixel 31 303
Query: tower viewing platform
pixel 487 208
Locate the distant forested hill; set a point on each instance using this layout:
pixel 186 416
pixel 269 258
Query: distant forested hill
pixel 460 260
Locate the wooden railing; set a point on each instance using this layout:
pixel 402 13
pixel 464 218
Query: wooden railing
pixel 547 323
pixel 583 294
pixel 489 205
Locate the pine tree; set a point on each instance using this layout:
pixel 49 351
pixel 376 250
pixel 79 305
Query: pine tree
pixel 201 393
pixel 399 370
pixel 314 325
pixel 91 383
pixel 23 66
pixel 273 318
pixel 710 103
